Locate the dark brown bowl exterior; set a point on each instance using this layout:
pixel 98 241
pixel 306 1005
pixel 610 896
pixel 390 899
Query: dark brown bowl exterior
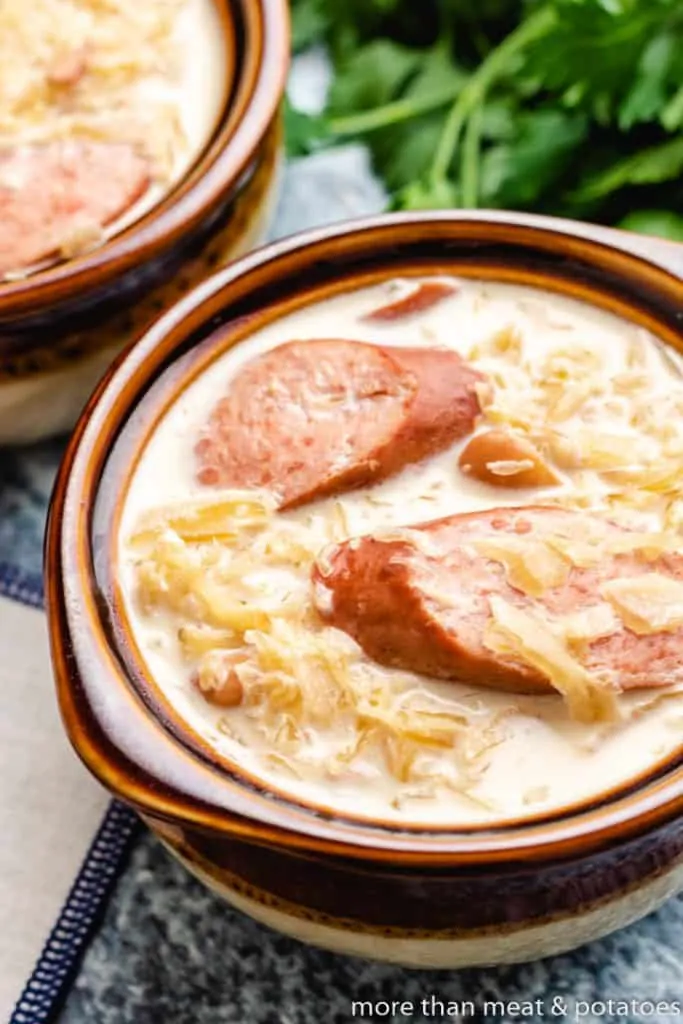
pixel 446 918
pixel 440 897
pixel 60 328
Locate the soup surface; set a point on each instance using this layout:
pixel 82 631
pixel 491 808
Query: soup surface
pixel 357 675
pixel 103 108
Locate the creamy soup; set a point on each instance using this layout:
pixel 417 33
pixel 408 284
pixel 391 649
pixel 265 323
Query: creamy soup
pixel 205 570
pixel 103 108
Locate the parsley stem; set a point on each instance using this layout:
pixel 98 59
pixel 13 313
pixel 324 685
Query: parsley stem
pixel 392 113
pixel 473 93
pixel 469 175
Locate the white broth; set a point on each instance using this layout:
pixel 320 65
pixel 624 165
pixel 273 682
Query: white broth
pixel 564 372
pixel 199 91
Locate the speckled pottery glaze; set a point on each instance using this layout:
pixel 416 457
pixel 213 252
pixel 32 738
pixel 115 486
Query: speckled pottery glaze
pixel 429 897
pixel 61 327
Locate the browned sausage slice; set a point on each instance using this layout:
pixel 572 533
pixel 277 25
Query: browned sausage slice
pixel 49 193
pixel 498 598
pixel 311 418
pixel 422 298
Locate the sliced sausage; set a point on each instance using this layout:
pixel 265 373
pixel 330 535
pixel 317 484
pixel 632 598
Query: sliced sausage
pixel 422 298
pixel 51 194
pixel 426 599
pixel 311 418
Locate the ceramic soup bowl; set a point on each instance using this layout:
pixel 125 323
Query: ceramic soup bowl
pixel 62 324
pixel 419 893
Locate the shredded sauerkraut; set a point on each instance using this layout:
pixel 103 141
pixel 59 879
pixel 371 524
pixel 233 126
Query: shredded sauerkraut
pixel 648 603
pixel 606 423
pixel 235 577
pixel 531 566
pixel 527 636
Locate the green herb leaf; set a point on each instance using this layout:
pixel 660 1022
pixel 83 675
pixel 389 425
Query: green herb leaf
pixel 649 92
pixel 505 102
pixel 517 173
pixel 372 77
pixel 438 73
pixel 304 133
pixel 647 167
pixel 661 223
pixel 310 23
pixel 589 57
pixel 403 152
pixel 427 195
pixel 499 119
pixel 672 115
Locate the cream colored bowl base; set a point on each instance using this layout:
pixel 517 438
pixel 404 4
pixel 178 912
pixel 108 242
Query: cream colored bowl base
pixel 47 404
pixel 531 942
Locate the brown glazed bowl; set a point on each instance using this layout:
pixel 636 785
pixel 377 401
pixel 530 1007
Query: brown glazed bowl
pixel 444 897
pixel 61 327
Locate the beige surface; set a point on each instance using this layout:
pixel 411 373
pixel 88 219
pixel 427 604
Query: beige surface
pixel 49 807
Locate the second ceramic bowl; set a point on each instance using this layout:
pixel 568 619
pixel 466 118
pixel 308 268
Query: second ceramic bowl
pixel 61 327
pixel 443 897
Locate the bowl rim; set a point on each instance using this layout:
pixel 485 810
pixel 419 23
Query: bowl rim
pixel 260 78
pixel 653 802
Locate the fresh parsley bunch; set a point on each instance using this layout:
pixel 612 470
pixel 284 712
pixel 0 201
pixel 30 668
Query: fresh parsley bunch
pixel 570 107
